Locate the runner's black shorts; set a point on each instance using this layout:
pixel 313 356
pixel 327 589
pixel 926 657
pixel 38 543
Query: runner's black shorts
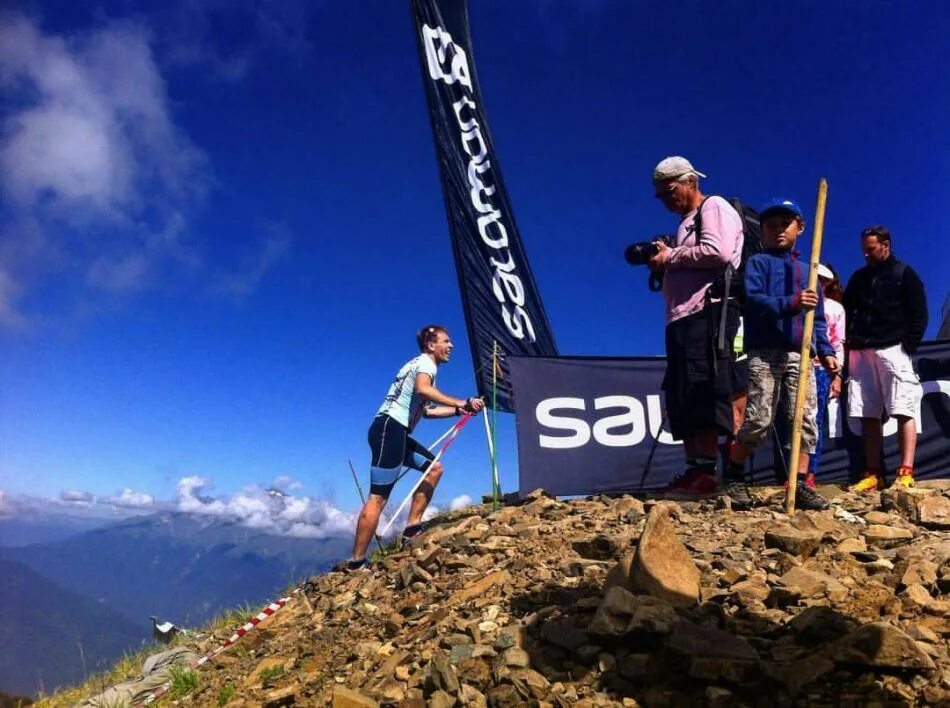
pixel 698 384
pixel 392 449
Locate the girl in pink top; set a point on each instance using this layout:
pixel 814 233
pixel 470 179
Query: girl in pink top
pixel 829 386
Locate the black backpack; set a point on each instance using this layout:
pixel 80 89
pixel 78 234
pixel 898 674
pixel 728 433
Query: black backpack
pixel 730 283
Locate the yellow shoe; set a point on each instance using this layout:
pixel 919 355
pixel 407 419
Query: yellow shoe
pixel 905 477
pixel 871 483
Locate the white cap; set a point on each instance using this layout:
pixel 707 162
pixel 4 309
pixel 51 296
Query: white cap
pixel 825 272
pixel 673 167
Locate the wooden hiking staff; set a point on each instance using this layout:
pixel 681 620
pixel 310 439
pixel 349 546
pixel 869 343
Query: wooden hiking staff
pixel 805 362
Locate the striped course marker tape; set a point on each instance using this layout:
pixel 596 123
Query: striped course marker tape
pixel 241 631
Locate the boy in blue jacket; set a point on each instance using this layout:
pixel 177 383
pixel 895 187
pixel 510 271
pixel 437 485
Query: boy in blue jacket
pixel 776 300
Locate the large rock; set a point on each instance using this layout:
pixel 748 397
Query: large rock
pixel 662 565
pixel 881 646
pixel 933 512
pixel 621 613
pixel 792 540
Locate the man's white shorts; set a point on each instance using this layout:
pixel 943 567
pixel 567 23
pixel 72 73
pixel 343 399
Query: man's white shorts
pixel 882 381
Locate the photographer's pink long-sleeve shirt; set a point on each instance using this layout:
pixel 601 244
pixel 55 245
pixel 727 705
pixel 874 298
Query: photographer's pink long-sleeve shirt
pixel 694 263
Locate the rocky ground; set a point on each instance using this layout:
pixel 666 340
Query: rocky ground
pixel 618 602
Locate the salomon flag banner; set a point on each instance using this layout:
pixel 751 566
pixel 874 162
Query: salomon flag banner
pixel 499 294
pixel 595 425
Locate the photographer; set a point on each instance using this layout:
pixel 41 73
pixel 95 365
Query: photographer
pixel 699 358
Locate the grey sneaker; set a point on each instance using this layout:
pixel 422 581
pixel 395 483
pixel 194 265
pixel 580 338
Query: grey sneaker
pixel 808 498
pixel 738 492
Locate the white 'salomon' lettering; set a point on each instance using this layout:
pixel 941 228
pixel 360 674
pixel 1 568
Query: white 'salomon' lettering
pixel 448 63
pixel 632 422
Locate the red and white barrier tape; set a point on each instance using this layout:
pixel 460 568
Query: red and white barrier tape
pixel 241 631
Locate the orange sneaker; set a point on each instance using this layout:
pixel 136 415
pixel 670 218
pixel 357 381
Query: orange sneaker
pixel 905 477
pixel 872 482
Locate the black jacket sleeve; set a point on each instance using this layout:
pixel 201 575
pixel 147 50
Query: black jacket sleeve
pixel 915 309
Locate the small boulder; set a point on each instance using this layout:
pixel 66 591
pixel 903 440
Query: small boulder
pixel 622 613
pixel 598 547
pixel 713 653
pixel 344 697
pixel 918 596
pixel 933 512
pixel 662 565
pixel 811 583
pixel 792 540
pixel 852 545
pixel 920 572
pixel 881 536
pixel 881 646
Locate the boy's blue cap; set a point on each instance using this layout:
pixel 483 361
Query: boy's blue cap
pixel 777 204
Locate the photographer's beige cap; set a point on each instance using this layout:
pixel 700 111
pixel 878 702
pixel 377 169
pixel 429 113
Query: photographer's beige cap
pixel 673 167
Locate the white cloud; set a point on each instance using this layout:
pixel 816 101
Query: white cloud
pixel 77 497
pixel 460 502
pixel 129 499
pixel 267 509
pixel 9 294
pixel 265 26
pixel 91 158
pixel 91 128
pixel 256 263
pixel 3 501
pixel 285 482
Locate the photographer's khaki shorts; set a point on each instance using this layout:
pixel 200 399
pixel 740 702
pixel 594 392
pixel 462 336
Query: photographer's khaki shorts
pixel 882 381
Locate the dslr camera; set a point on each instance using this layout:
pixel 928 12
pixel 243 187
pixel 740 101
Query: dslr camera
pixel 640 253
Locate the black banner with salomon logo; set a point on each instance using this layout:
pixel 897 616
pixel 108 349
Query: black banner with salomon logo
pixel 499 294
pixel 596 426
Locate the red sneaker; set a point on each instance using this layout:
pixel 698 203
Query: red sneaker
pixel 809 481
pixel 690 486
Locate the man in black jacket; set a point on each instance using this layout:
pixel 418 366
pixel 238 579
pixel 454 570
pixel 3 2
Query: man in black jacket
pixel 886 310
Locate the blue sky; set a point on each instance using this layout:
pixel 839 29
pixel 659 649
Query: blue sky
pixel 221 222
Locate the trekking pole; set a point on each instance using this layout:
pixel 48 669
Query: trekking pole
pixel 804 364
pixel 405 468
pixel 452 434
pixel 648 465
pixel 379 541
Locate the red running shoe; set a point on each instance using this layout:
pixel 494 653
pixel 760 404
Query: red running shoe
pixel 690 486
pixel 809 481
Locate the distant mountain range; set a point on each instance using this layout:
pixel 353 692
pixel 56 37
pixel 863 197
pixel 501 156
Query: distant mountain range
pixel 27 531
pixel 51 636
pixel 181 567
